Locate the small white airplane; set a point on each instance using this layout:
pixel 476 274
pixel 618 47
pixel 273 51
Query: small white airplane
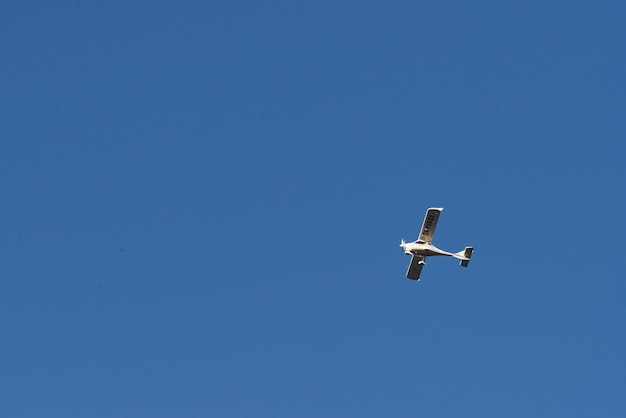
pixel 423 247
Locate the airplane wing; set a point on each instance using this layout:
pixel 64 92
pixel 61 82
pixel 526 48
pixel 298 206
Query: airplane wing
pixel 429 225
pixel 415 268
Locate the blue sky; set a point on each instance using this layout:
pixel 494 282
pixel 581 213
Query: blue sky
pixel 202 204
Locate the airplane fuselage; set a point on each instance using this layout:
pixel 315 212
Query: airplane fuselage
pixel 424 249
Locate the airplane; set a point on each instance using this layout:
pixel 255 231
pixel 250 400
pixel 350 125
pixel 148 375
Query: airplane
pixel 423 247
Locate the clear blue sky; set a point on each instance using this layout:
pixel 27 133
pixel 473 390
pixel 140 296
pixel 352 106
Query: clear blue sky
pixel 202 203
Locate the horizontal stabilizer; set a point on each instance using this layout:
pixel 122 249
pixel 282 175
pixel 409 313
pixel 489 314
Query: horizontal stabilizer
pixel 467 254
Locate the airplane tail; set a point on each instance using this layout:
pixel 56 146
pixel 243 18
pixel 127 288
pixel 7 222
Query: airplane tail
pixel 465 255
